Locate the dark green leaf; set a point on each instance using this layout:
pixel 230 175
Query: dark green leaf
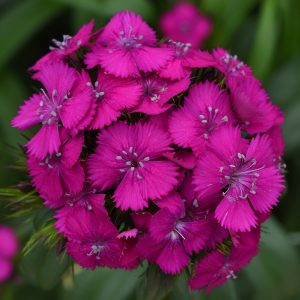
pixel 108 8
pixel 20 22
pixel 102 283
pixel 264 47
pixel 42 267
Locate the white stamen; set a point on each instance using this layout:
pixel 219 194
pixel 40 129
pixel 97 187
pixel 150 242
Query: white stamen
pixel 225 119
pixel 204 121
pixel 201 116
pixel 141 164
pixel 210 109
pixel 53 113
pixel 124 152
pixel 135 154
pixel 195 203
pixel 118 157
pixel 205 135
pixel 130 149
pixel 128 163
pixel 132 169
pixel 147 158
pixel 139 177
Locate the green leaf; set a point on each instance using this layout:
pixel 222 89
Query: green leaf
pixel 264 47
pixel 291 127
pixel 20 22
pixel 108 8
pixel 102 283
pixel 42 267
pixel 42 217
pixel 228 17
pixel 157 284
pixel 283 86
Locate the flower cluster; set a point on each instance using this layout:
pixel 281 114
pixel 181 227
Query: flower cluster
pixel 8 249
pixel 153 151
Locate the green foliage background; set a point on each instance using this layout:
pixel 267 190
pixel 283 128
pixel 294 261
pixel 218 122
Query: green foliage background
pixel 265 34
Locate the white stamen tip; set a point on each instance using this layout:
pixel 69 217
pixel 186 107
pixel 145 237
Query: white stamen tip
pixel 147 158
pixel 132 168
pixel 118 157
pixel 141 164
pixel 225 119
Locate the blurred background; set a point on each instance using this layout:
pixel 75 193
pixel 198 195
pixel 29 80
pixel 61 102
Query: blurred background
pixel 263 33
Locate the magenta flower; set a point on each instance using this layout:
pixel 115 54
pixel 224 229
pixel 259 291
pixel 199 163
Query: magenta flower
pixel 68 46
pixel 229 65
pixel 206 110
pixel 93 240
pixel 276 136
pixel 64 100
pixel 58 173
pixel 128 40
pixel 255 112
pixel 173 238
pixel 184 59
pixel 244 173
pixel 129 256
pixel 132 155
pixel 113 95
pixel 157 92
pixel 8 249
pixel 216 268
pixel 87 199
pixel 186 24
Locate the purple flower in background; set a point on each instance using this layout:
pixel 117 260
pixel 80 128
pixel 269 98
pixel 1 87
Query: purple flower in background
pixel 185 23
pixel 8 249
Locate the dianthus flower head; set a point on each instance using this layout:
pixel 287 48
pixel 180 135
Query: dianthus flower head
pixel 8 248
pixel 128 40
pixel 216 267
pixel 186 24
pixel 93 240
pixel 59 172
pixel 153 151
pixel 63 101
pixel 129 157
pixel 206 109
pixel 66 47
pixel 244 173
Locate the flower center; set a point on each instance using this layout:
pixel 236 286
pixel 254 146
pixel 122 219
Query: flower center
pixel 232 64
pixel 96 249
pixel 152 89
pixel 51 161
pixel 50 107
pixel 129 159
pixel 128 41
pixel 240 177
pixel 181 49
pixel 98 93
pixel 211 119
pixel 61 45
